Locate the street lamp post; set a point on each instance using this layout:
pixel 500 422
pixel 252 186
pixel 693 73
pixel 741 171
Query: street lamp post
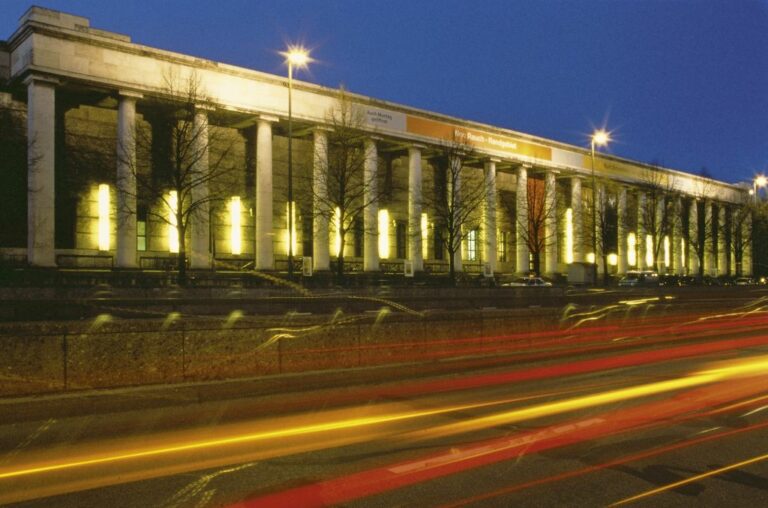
pixel 298 57
pixel 599 138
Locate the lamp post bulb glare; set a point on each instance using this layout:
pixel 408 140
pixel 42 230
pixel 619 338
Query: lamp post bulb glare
pixel 601 137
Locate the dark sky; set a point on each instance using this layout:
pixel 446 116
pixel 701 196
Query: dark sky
pixel 682 83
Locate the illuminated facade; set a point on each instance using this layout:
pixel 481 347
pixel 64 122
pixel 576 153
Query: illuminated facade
pixel 84 93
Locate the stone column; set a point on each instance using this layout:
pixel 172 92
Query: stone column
pixel 621 232
pixel 577 215
pixel 641 231
pixel 200 253
pixel 678 257
pixel 746 254
pixel 371 212
pixel 733 218
pixel 521 227
pixel 489 215
pixel 693 237
pixel 709 245
pixel 597 229
pixel 414 207
pixel 454 197
pixel 722 246
pixel 41 114
pixel 126 180
pixel 661 267
pixel 550 223
pixel 321 259
pixel 265 255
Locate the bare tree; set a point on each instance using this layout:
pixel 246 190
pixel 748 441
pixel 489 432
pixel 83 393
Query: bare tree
pixel 13 177
pixel 700 234
pixel 603 233
pixel 340 188
pixel 185 174
pixel 457 198
pixel 658 211
pixel 746 214
pixel 539 211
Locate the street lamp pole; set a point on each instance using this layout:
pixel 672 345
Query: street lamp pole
pixel 298 57
pixel 599 138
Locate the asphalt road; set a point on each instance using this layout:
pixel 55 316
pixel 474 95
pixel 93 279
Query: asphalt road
pixel 672 412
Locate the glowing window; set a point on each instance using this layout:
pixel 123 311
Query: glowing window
pixel 590 257
pixel 569 235
pixel 235 235
pixel 336 225
pixel 631 249
pixel 290 236
pixel 648 250
pixel 103 217
pixel 472 245
pixel 384 234
pixel 424 235
pixel 613 259
pixel 173 230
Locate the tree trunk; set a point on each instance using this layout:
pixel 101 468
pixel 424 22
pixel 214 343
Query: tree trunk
pixel 182 267
pixel 536 261
pixel 340 263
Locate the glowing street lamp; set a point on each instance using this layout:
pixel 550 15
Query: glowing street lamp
pixel 298 57
pixel 599 138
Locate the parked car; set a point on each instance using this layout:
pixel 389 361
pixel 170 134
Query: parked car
pixel 636 279
pixel 745 281
pixel 670 280
pixel 529 282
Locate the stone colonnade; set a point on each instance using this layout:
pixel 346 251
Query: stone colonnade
pixel 717 258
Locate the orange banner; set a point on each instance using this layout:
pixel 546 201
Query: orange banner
pixel 476 138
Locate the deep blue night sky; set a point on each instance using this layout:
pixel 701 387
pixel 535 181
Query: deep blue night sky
pixel 679 83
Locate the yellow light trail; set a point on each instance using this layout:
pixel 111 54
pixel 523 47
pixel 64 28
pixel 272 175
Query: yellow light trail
pixel 722 372
pixel 691 480
pixel 346 424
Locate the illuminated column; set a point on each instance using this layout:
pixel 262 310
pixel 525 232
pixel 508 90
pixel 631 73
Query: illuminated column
pixel 320 251
pixel 693 238
pixel 722 246
pixel 414 207
pixel 709 246
pixel 578 220
pixel 679 245
pixel 200 255
pixel 41 114
pixel 550 223
pixel 598 230
pixel 641 231
pixel 733 218
pixel 489 214
pixel 521 211
pixel 621 231
pixel 265 256
pixel 661 267
pixel 454 196
pixel 746 252
pixel 126 180
pixel 371 212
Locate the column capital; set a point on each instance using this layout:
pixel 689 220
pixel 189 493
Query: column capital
pixel 203 106
pixel 41 79
pixel 129 94
pixel 321 128
pixel 495 160
pixel 416 146
pixel 267 118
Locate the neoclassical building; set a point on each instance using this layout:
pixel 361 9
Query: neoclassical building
pixel 78 96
